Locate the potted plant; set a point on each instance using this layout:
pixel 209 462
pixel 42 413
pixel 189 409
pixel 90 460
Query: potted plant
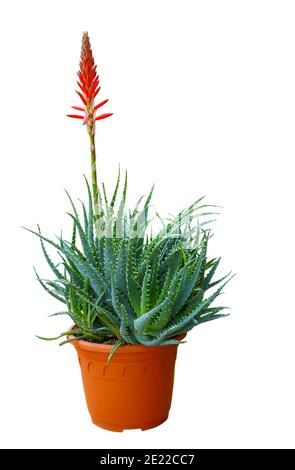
pixel 132 296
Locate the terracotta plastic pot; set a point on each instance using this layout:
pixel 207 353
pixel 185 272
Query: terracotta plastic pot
pixel 134 390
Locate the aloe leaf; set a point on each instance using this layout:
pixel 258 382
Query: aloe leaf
pixel 75 275
pixel 133 291
pixel 160 320
pixel 209 317
pixel 101 331
pixel 109 259
pixel 126 326
pixel 75 308
pixel 96 281
pixel 84 333
pixel 133 294
pixel 85 217
pixel 109 320
pixel 106 203
pixel 214 310
pixel 120 214
pixel 84 304
pixel 86 247
pixel 48 259
pixel 154 282
pixel 114 349
pixel 58 313
pixel 183 216
pixel 145 292
pixel 50 242
pixel 114 197
pixel 71 340
pixel 190 284
pixel 121 307
pixel 146 340
pixel 100 253
pixel 135 210
pixel 115 296
pixel 52 293
pixel 148 199
pixel 80 292
pixel 165 287
pixel 55 337
pixel 141 322
pixel 172 261
pixel 210 274
pixel 90 234
pixel 121 268
pixel 79 289
pixel 88 333
pixel 180 325
pixel 55 285
pixel 212 284
pixel 192 302
pixel 74 233
pixel 171 330
pixel 72 204
pixel 158 341
pixel 167 342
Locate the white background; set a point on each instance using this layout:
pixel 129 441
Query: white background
pixel 203 95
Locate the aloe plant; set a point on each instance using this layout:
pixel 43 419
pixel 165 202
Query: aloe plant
pixel 126 285
pixel 119 282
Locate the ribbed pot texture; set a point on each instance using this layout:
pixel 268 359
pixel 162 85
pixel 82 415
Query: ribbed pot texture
pixel 134 390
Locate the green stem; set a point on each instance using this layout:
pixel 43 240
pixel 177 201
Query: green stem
pixel 94 173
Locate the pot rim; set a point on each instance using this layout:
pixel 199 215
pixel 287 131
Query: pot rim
pixel 124 348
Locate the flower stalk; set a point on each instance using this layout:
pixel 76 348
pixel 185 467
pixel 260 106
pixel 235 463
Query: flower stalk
pixel 88 83
pixel 94 174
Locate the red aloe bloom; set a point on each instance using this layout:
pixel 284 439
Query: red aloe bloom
pixel 89 88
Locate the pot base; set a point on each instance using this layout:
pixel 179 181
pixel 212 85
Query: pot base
pixel 120 428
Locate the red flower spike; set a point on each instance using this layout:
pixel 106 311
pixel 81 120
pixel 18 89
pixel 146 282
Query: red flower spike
pixel 103 116
pixel 89 87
